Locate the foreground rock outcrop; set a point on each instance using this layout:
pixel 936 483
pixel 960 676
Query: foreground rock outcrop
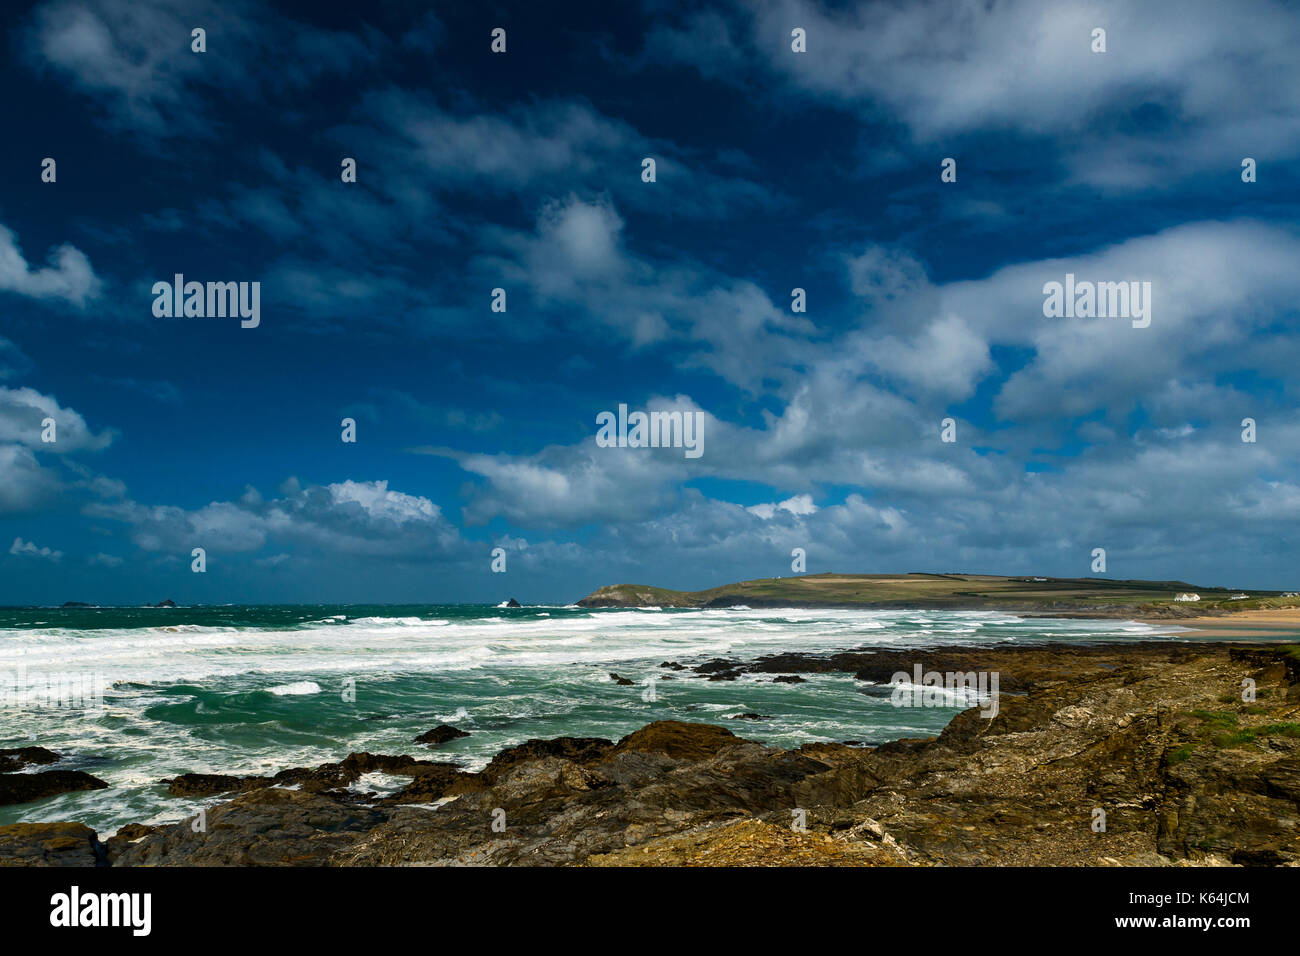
pixel 50 844
pixel 1105 755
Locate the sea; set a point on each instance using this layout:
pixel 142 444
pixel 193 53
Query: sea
pixel 137 695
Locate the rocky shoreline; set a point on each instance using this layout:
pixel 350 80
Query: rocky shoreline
pixel 1154 739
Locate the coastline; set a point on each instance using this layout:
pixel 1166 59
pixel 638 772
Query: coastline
pixel 1154 735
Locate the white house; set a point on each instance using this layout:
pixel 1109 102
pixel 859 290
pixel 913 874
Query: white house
pixel 1185 596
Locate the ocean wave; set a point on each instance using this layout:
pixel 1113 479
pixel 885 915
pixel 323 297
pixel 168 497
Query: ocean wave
pixel 400 622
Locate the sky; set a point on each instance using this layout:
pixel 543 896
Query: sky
pixel 921 171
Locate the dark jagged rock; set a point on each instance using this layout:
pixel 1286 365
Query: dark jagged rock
pixel 748 716
pixel 335 777
pixel 719 669
pixel 28 787
pixel 440 735
pixel 18 757
pixel 164 603
pixel 72 604
pixel 620 681
pixel 513 603
pixel 49 844
pixel 788 679
pixel 212 784
pixel 716 665
pixel 672 666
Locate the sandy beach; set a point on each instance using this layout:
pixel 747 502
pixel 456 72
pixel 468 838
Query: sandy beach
pixel 1266 625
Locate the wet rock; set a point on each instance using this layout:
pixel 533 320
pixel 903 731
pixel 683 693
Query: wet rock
pixel 672 666
pixel 212 784
pixel 795 662
pixel 328 777
pixel 719 669
pixel 28 787
pixel 717 665
pixel 336 777
pixel 620 681
pixel 440 735
pixel 19 757
pixel 750 717
pixel 789 679
pixel 513 603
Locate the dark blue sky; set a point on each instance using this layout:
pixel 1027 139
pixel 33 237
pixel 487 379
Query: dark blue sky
pixel 775 170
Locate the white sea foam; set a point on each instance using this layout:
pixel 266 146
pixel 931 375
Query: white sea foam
pixel 395 621
pixel 299 688
pixel 379 646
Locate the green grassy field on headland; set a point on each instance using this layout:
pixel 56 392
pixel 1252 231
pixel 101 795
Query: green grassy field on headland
pixel 1099 596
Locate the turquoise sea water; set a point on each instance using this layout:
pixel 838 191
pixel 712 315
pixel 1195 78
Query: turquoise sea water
pixel 147 693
